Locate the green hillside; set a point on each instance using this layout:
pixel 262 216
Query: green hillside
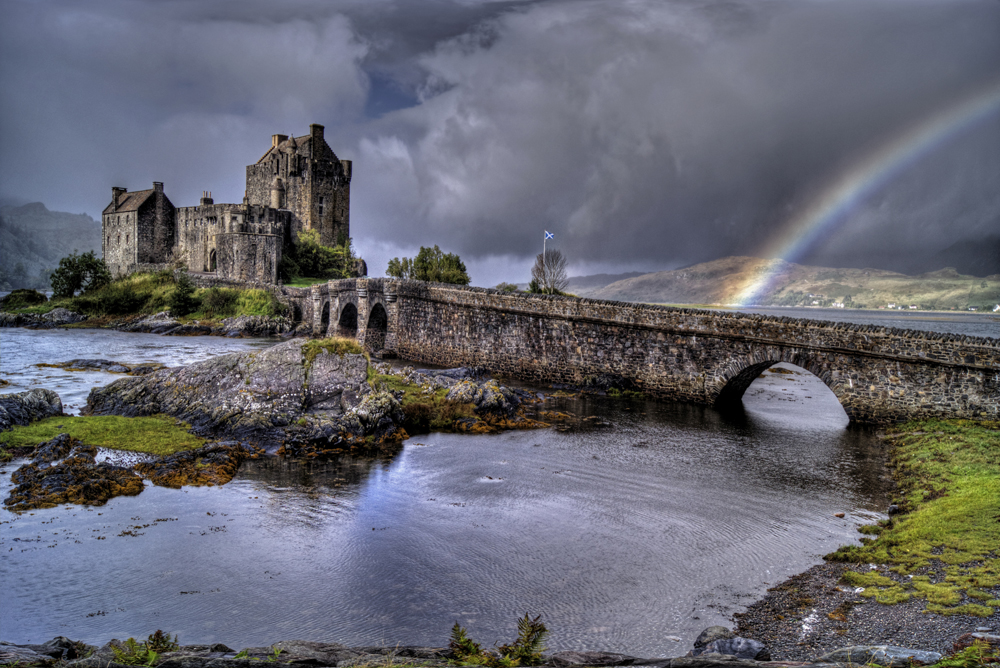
pixel 723 281
pixel 34 239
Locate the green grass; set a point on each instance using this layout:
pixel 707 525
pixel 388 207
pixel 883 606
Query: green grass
pixel 334 345
pixel 305 282
pixel 148 293
pixel 949 476
pixel 156 435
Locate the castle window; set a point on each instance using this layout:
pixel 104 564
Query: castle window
pixel 119 239
pixel 126 238
pixel 321 202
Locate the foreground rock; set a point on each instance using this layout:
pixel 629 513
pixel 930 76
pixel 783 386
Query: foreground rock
pixel 304 653
pixel 109 366
pixel 23 408
pixel 64 471
pixel 263 397
pixel 57 317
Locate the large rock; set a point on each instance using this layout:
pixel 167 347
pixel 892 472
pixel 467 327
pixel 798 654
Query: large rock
pixel 711 634
pixel 267 395
pixel 882 655
pixel 570 658
pixel 23 408
pixel 491 400
pixel 741 648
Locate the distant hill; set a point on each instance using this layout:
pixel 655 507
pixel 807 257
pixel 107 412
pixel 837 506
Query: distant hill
pixel 723 281
pixel 34 239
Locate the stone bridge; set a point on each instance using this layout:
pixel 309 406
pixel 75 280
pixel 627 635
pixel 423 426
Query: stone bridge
pixel 879 374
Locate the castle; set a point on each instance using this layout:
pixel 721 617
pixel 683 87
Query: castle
pixel 299 184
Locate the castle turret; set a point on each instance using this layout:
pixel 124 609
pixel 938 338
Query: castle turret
pixel 278 194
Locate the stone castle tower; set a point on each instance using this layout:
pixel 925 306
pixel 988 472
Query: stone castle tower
pixel 299 184
pixel 303 175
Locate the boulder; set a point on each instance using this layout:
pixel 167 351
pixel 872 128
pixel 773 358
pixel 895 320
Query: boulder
pixel 261 396
pixel 256 326
pixel 712 633
pixel 60 316
pixel 491 400
pixel 882 655
pixel 23 408
pixel 741 648
pixel 590 659
pixel 19 655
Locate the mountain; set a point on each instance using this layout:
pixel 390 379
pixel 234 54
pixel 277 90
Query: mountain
pixel 584 286
pixel 723 281
pixel 34 239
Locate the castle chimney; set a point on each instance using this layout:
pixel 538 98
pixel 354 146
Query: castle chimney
pixel 158 187
pixel 206 197
pixel 316 131
pixel 116 196
pixel 347 169
pixel 277 139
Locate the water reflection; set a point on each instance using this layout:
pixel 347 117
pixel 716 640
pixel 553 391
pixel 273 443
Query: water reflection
pixel 663 522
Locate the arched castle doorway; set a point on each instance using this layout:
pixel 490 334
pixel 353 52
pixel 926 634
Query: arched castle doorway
pixel 347 324
pixel 378 325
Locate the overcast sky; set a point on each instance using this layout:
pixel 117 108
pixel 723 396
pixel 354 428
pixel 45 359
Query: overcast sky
pixel 645 134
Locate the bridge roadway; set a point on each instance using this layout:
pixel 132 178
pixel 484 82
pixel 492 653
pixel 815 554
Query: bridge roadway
pixel 880 375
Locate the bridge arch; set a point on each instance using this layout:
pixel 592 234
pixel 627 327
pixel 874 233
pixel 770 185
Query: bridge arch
pixel 347 321
pixel 734 380
pixel 324 320
pixel 376 328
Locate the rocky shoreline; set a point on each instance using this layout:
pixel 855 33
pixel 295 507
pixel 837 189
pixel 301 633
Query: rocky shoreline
pixel 245 326
pixel 715 647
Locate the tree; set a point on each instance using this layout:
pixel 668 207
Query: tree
pixel 430 264
pixel 310 258
pixel 549 273
pixel 182 299
pixel 79 272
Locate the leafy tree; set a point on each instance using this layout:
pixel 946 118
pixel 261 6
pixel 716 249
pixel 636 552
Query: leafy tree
pixel 430 264
pixel 308 257
pixel 549 273
pixel 182 299
pixel 506 287
pixel 79 272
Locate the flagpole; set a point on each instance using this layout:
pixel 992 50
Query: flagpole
pixel 545 236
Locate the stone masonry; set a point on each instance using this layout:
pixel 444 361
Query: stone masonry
pixel 298 184
pixel 879 375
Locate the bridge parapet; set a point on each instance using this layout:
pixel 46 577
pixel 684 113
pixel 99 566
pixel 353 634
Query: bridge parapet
pixel 879 374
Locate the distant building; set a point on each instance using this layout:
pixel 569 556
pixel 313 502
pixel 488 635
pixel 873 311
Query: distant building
pixel 298 184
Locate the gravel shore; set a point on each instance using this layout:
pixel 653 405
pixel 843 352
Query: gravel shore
pixel 814 612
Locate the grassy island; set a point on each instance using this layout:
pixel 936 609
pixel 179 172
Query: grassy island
pixel 156 435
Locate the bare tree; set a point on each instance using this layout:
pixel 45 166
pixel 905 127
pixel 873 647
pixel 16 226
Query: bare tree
pixel 549 272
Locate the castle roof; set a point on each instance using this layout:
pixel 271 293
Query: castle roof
pixel 129 201
pixel 301 145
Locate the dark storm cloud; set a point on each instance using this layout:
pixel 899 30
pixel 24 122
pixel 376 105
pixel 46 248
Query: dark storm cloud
pixel 643 133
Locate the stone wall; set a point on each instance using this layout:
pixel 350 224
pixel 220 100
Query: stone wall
pixel 119 243
pixel 248 257
pixel 879 374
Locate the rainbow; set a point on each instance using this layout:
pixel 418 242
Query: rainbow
pixel 863 178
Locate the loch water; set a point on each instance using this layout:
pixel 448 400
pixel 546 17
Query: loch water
pixel 628 537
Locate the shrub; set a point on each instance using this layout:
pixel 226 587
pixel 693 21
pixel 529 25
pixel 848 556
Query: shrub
pixel 220 302
pixel 182 300
pixel 21 299
pixel 259 302
pixel 79 272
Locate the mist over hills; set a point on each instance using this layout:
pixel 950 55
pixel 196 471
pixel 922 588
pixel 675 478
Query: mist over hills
pixel 34 239
pixel 723 281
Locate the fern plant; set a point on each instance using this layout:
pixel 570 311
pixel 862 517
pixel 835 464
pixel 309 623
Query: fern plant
pixel 525 651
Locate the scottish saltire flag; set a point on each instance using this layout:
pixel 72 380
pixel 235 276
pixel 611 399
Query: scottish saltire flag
pixel 549 235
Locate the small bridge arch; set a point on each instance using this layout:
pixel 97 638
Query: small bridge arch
pixel 735 377
pixel 347 320
pixel 376 328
